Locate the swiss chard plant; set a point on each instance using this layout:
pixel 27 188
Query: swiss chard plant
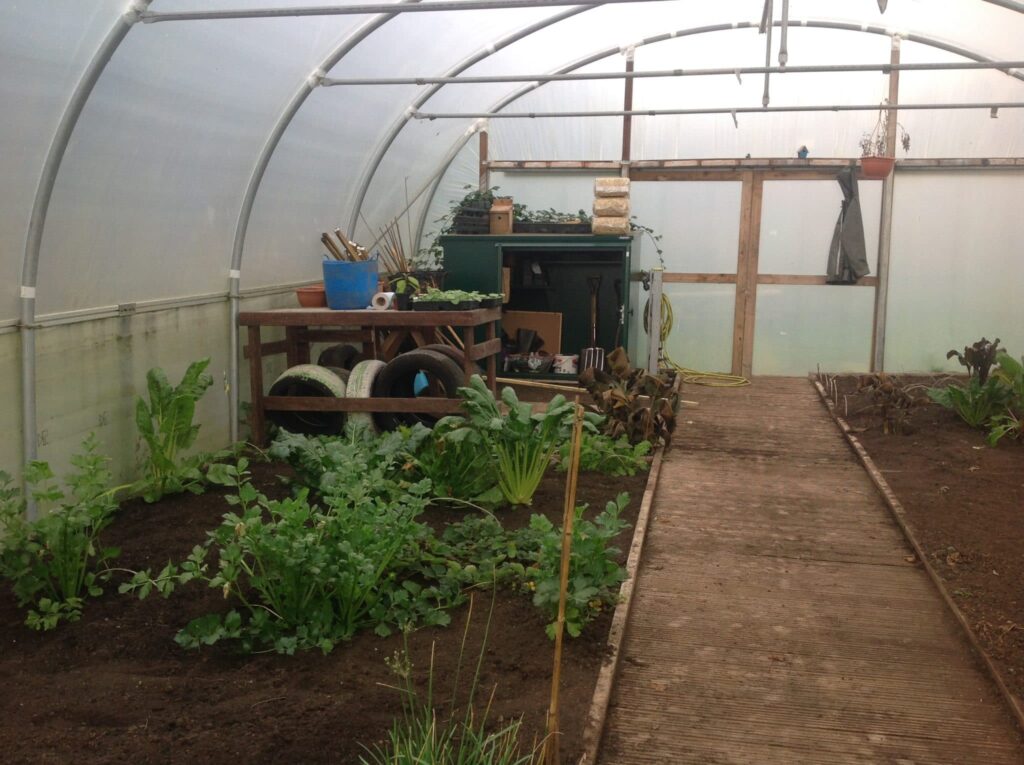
pixel 609 456
pixel 56 561
pixel 976 404
pixel 594 571
pixel 301 575
pixel 978 358
pixel 165 424
pixel 520 443
pixel 456 461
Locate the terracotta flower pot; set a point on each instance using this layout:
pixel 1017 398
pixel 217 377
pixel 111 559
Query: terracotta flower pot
pixel 312 296
pixel 876 168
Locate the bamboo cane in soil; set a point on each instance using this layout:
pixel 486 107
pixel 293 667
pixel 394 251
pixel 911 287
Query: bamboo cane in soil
pixel 551 744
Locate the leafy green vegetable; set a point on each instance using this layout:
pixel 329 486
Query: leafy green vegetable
pixel 521 444
pixel 303 576
pixel 976 404
pixel 594 573
pixel 977 358
pixel 1011 422
pixel 165 424
pixel 54 562
pixel 602 454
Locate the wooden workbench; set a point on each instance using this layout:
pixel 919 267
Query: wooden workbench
pixel 381 333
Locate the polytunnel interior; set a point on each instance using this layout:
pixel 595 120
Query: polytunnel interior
pixel 166 164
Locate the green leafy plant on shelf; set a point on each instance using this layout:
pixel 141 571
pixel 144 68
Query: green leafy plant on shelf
pixel 594 571
pixel 609 456
pixel 55 562
pixel 166 426
pixel 520 443
pixel 304 576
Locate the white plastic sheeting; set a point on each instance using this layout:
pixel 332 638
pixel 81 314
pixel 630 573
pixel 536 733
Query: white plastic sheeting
pixel 148 195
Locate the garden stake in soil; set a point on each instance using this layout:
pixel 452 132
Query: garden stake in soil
pixel 551 756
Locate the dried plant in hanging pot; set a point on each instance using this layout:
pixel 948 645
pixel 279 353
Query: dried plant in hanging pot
pixel 877 157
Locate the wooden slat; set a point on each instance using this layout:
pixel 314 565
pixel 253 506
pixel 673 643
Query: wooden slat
pixel 743 285
pixel 681 278
pixel 324 317
pixel 323 404
pixel 336 335
pixel 796 279
pixel 784 166
pixel 256 424
pixel 680 174
pixel 750 310
pixel 805 637
pixel 484 349
pixel 269 349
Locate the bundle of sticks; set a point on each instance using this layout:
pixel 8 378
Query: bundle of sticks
pixel 349 250
pixel 392 252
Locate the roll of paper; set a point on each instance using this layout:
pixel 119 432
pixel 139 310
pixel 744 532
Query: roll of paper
pixel 382 301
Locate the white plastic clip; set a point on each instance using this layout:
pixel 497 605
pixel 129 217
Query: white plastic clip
pixel 490 48
pixel 28 293
pixel 234 273
pixel 735 121
pixel 316 78
pixel 994 113
pixel 739 77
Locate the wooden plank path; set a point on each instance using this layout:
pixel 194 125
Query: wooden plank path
pixel 779 616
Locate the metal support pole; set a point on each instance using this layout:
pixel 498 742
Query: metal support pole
pixel 627 106
pixel 767 27
pixel 784 37
pixel 885 221
pixel 988 106
pixel 369 9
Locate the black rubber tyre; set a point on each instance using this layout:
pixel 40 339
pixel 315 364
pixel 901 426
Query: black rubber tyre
pixel 398 378
pixel 342 355
pixel 455 354
pixel 308 380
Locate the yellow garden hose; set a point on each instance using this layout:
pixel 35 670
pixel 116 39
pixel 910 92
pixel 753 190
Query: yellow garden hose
pixel 691 376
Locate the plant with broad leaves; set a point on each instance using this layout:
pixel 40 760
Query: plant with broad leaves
pixel 455 460
pixel 636 405
pixel 520 443
pixel 303 576
pixel 609 456
pixel 55 561
pixel 978 358
pixel 594 571
pixel 976 404
pixel 165 424
pixel 1010 423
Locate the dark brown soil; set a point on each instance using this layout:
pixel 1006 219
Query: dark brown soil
pixel 965 503
pixel 116 688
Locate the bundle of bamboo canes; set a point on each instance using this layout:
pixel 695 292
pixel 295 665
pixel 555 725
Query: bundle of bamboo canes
pixel 349 250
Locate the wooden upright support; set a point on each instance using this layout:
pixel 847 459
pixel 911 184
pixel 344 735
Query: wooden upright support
pixel 627 106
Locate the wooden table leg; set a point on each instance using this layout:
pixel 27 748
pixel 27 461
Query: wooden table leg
pixel 291 338
pixel 256 387
pixel 492 361
pixel 301 345
pixel 468 341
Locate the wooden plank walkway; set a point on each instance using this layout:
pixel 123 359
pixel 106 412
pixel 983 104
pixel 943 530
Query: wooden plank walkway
pixel 777 618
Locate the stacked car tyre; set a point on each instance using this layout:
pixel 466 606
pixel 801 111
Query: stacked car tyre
pixel 361 385
pixel 313 381
pixel 398 379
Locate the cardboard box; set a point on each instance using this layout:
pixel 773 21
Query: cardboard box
pixel 501 216
pixel 548 327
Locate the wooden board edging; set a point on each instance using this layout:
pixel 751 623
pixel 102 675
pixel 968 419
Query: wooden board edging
pixel 594 728
pixel 898 513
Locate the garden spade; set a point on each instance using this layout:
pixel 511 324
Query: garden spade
pixel 593 357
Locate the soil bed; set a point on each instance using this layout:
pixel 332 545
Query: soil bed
pixel 116 688
pixel 964 501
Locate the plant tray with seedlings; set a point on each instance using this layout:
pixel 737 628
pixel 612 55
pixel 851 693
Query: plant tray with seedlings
pixel 452 300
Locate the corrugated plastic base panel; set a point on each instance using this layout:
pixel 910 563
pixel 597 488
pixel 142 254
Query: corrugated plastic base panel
pixel 779 615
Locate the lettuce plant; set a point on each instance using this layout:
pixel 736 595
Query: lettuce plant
pixel 976 404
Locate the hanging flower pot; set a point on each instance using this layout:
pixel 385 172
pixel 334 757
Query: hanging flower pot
pixel 876 168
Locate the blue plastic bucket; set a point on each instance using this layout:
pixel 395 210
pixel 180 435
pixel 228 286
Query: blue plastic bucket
pixel 349 285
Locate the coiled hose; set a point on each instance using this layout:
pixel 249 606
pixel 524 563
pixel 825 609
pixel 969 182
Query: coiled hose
pixel 691 376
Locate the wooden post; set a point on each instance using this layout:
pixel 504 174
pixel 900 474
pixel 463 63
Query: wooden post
pixel 744 284
pixel 256 386
pixel 885 222
pixel 627 105
pixel 551 741
pixel 485 168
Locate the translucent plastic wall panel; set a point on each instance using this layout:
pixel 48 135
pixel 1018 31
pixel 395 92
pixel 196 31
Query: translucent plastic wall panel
pixel 10 408
pixel 44 46
pixel 698 223
pixel 956 270
pixel 702 327
pixel 801 327
pixel 798 219
pixel 147 199
pixel 565 192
